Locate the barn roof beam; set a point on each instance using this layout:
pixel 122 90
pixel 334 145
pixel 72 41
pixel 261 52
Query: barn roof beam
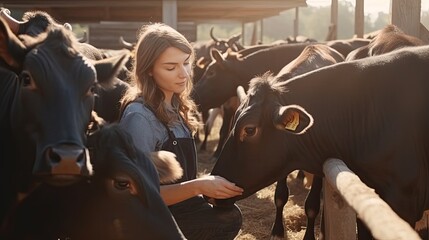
pixel 152 10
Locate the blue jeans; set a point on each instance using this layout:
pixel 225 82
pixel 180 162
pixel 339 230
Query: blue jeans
pixel 199 220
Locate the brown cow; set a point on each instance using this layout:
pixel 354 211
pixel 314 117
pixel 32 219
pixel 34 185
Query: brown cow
pixel 387 39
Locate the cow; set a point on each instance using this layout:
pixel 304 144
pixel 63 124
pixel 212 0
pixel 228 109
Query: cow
pixel 220 80
pixel 202 60
pixel 345 46
pixel 202 51
pixel 106 99
pixel 371 113
pixel 225 74
pixel 387 39
pixel 47 106
pixel 121 200
pixel 312 57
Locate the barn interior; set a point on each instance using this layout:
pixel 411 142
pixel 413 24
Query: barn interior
pixel 122 18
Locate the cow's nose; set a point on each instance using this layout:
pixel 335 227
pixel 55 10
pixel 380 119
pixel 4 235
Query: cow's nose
pixel 66 159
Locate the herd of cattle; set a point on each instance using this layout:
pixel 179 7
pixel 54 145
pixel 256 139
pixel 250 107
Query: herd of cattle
pixel 68 171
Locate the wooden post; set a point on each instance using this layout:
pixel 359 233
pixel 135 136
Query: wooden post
pixel 340 218
pixel 254 39
pixel 424 33
pixel 334 19
pixel 169 13
pixel 296 23
pixel 380 219
pixel 359 18
pixel 243 36
pixel 406 16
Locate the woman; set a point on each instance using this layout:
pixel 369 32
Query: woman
pixel 157 112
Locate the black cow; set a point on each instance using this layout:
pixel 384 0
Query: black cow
pixel 202 51
pixel 107 98
pixel 387 39
pixel 219 82
pixel 8 152
pixel 371 113
pixel 203 59
pixel 47 106
pixel 121 200
pixel 225 74
pixel 312 57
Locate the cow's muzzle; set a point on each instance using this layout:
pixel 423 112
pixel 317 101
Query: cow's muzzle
pixel 63 164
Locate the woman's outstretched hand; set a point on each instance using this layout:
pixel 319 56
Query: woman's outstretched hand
pixel 218 187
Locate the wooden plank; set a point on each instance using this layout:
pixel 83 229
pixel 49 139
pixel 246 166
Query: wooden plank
pixel 380 219
pixel 424 33
pixel 334 20
pixel 340 218
pixel 169 13
pixel 359 18
pixel 152 10
pixel 296 23
pixel 406 16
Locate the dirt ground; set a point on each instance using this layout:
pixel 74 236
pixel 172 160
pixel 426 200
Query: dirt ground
pixel 259 210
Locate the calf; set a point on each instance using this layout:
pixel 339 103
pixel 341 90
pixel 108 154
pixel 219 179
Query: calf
pixel 121 200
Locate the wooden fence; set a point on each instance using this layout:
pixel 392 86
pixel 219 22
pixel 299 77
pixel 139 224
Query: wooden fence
pixel 346 196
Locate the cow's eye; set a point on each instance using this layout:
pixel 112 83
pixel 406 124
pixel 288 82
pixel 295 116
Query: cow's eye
pixel 121 184
pixel 27 80
pixel 91 90
pixel 248 132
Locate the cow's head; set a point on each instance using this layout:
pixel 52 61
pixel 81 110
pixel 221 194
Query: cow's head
pixel 218 82
pixel 53 107
pixel 128 183
pixel 121 200
pixel 258 143
pixel 203 51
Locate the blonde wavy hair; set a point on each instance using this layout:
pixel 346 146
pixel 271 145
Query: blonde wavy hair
pixel 154 39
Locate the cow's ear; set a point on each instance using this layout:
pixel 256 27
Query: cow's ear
pixel 12 50
pixel 202 62
pixel 107 69
pixel 234 39
pixel 292 118
pixel 216 55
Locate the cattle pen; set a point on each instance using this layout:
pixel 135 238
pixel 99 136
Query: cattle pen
pixel 346 198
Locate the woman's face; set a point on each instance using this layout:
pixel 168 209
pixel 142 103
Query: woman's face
pixel 171 71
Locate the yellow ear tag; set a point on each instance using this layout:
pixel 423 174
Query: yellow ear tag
pixel 293 123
